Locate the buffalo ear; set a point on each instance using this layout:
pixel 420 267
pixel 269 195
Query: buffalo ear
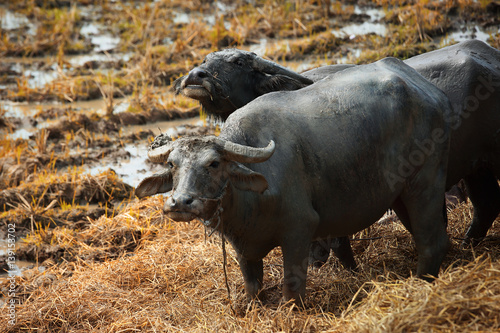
pixel 247 180
pixel 278 82
pixel 157 183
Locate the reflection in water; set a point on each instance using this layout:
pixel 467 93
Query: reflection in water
pixel 371 26
pixel 80 60
pixel 89 29
pixel 19 265
pixel 13 21
pixel 350 58
pixel 23 110
pixel 374 13
pixel 357 29
pixel 222 9
pixel 20 134
pixel 104 42
pixel 101 41
pixel 470 32
pixel 36 78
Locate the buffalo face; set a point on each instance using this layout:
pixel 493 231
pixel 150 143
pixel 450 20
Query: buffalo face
pixel 197 172
pixel 229 79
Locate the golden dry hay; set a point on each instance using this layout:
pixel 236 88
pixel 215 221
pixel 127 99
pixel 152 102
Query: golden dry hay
pixel 173 281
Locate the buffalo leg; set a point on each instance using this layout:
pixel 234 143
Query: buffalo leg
pixel 445 214
pixel 484 193
pixel 424 199
pixel 429 231
pixel 320 250
pixel 253 272
pixel 295 263
pixel 341 246
pixel 402 213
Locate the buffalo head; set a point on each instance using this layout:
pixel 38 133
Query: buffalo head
pixel 198 169
pixel 229 79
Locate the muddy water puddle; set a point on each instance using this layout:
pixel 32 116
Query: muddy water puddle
pixel 372 25
pixel 18 265
pixel 470 31
pixel 360 29
pixel 10 20
pixel 132 169
pixel 40 71
pixel 24 111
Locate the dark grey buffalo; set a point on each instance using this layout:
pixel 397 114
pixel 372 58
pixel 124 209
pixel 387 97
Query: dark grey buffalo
pixel 231 78
pixel 468 73
pixel 327 169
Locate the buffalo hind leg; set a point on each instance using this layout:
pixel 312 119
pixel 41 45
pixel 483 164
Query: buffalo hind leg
pixel 253 273
pixel 319 252
pixel 402 213
pixel 422 204
pixel 484 193
pixel 341 246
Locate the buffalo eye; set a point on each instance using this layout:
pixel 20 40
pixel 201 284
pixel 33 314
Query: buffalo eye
pixel 214 164
pixel 239 62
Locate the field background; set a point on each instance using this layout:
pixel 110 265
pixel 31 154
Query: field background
pixel 85 86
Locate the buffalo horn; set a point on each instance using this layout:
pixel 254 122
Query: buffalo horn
pixel 246 154
pixel 160 148
pixel 270 67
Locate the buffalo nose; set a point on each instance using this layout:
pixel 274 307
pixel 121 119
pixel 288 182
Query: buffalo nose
pixel 181 200
pixel 196 76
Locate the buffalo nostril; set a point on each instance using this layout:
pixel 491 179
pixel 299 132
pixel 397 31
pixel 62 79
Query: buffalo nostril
pixel 188 200
pixel 180 201
pixel 199 73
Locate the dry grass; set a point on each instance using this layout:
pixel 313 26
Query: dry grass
pixel 172 280
pixel 73 186
pixel 466 297
pixel 127 268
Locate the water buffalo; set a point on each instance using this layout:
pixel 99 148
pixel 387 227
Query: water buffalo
pixel 468 73
pixel 231 78
pixel 325 171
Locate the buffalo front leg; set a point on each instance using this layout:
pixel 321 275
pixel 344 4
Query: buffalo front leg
pixel 253 272
pixel 295 263
pixel 484 193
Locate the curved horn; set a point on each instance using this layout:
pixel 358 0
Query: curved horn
pixel 160 148
pixel 246 154
pixel 270 67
